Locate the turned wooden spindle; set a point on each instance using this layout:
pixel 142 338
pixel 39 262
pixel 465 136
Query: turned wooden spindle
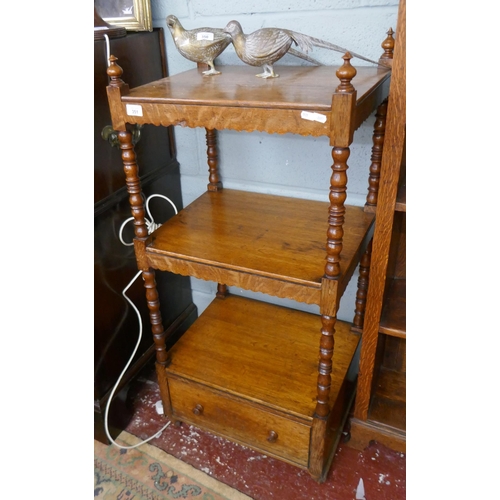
pixel 325 366
pixel 388 46
pixel 215 183
pixel 133 183
pixel 336 212
pixel 362 291
pixel 222 291
pixel 377 150
pixel 338 181
pixel 152 298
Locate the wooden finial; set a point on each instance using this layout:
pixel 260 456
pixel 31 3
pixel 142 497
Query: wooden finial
pixel 345 74
pixel 388 46
pixel 114 72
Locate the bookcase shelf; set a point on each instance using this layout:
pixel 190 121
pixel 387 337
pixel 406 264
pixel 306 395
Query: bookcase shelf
pixel 380 408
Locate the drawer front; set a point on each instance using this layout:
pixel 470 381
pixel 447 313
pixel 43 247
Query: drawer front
pixel 240 421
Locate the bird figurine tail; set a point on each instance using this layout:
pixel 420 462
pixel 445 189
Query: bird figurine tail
pixel 307 42
pixel 300 55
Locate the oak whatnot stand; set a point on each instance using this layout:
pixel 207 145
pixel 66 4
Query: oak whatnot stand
pixel 248 370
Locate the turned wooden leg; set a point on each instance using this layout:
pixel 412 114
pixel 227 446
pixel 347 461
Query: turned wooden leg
pixel 215 183
pixel 376 158
pixel 221 291
pixel 162 355
pixel 364 276
pixel 336 213
pixel 325 366
pixel 133 183
pixel 322 410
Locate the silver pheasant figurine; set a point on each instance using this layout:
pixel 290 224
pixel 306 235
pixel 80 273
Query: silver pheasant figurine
pixel 200 45
pixel 203 45
pixel 267 45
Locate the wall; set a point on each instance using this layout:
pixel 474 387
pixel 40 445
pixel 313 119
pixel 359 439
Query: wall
pixel 279 164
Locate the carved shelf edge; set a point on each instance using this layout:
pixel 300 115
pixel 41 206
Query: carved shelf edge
pixel 242 119
pixel 234 118
pixel 257 283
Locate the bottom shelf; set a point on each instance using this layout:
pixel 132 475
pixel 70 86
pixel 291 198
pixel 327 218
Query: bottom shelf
pixel 247 370
pixel 386 421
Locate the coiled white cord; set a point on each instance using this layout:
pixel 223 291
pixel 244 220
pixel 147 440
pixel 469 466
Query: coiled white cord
pixel 152 226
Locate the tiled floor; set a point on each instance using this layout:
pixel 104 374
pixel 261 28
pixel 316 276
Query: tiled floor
pixel 383 471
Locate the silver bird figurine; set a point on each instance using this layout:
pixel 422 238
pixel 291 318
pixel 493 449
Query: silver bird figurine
pixel 200 45
pixel 267 45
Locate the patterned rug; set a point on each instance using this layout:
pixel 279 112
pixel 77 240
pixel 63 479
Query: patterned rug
pixel 148 473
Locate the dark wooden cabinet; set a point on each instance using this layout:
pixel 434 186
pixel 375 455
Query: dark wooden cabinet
pixel 116 326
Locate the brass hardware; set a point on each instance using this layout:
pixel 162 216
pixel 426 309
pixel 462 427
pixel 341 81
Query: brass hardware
pixel 111 135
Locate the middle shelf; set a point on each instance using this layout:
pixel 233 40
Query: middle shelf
pixel 261 242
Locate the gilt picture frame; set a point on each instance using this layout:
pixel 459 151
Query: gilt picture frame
pixel 133 15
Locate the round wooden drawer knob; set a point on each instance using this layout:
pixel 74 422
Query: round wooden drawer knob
pixel 198 410
pixel 272 436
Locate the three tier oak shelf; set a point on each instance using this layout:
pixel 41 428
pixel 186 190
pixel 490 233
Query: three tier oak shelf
pixel 273 378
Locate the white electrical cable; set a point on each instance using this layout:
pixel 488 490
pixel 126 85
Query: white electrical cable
pixel 108 404
pixel 107 49
pixel 150 224
pixel 151 227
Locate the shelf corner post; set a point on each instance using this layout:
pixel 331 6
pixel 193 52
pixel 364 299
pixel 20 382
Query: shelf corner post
pixel 376 157
pixel 362 291
pixel 215 183
pixel 343 102
pixel 132 180
pixel 343 108
pixel 115 90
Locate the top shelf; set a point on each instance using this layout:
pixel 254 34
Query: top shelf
pixel 236 99
pixel 298 87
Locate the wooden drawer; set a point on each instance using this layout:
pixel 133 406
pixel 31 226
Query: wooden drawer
pixel 241 421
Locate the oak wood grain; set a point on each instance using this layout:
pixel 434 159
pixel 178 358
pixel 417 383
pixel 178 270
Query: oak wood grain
pixel 235 100
pixel 298 87
pixel 391 384
pixel 257 283
pixel 261 352
pixel 389 177
pixel 258 373
pixel 241 421
pixel 365 431
pixel 393 315
pixel 276 237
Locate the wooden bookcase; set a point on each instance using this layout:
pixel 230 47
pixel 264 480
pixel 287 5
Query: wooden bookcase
pixel 276 379
pixel 380 408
